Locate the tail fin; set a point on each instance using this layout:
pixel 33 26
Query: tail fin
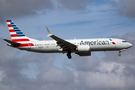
pixel 17 35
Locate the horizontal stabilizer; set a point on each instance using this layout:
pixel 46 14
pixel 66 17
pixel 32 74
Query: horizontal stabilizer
pixel 11 42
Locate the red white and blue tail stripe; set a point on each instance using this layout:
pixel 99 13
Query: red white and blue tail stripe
pixel 17 35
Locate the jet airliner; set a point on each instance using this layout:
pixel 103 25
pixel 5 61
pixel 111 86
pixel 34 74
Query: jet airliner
pixel 82 47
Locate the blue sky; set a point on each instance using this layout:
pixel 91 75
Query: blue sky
pixel 68 19
pixel 100 19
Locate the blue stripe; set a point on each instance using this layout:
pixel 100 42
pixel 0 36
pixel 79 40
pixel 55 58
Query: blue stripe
pixel 9 20
pixel 20 34
pixel 15 27
pixel 18 30
pixel 12 23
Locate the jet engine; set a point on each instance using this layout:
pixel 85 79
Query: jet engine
pixel 83 50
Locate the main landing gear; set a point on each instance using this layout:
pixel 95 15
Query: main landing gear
pixel 69 55
pixel 119 53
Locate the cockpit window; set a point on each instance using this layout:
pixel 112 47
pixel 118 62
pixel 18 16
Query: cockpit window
pixel 124 41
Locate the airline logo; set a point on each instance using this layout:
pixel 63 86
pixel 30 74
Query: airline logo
pixel 112 41
pixel 17 35
pixel 97 42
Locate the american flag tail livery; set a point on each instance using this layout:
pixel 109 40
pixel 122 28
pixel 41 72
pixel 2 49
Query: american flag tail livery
pixel 17 36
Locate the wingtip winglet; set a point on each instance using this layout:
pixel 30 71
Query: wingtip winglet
pixel 49 33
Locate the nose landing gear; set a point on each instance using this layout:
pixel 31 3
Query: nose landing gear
pixel 121 51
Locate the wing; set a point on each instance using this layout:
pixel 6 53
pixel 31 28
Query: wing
pixel 67 46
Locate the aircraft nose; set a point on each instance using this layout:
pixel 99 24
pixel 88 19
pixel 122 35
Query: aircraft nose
pixel 129 45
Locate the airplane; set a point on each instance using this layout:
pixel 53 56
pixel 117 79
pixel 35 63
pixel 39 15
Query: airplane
pixel 82 47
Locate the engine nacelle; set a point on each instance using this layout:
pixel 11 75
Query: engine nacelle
pixel 83 50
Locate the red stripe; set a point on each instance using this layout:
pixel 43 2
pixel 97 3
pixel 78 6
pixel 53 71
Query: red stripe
pixel 14 35
pixel 11 30
pixel 20 40
pixel 9 25
pixel 26 44
pixel 7 20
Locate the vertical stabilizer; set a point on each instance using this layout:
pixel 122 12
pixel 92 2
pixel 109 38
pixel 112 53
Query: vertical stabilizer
pixel 17 35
